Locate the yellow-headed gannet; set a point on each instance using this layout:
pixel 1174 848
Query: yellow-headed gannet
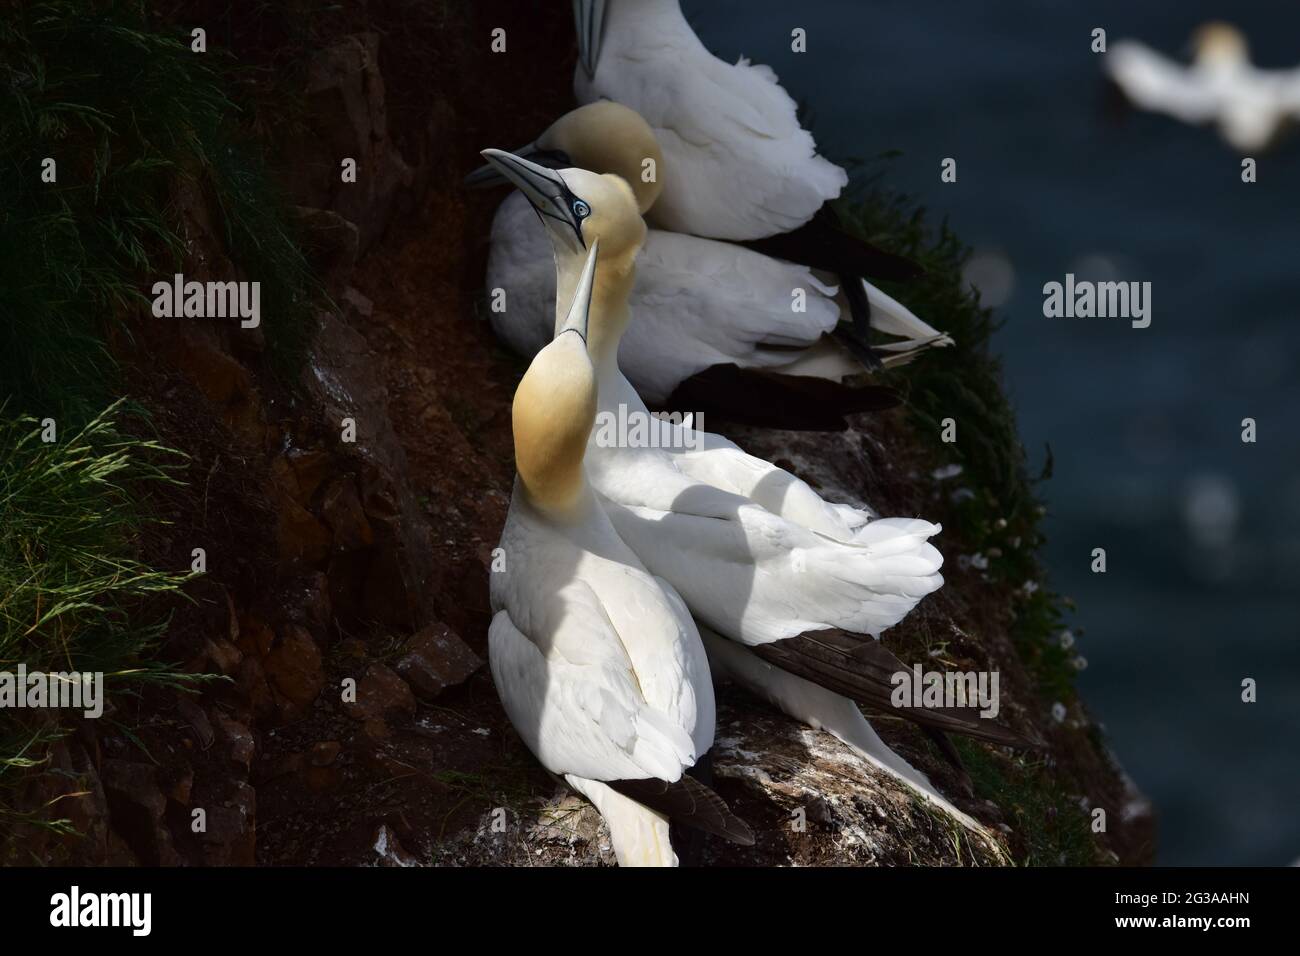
pixel 1249 105
pixel 598 664
pixel 700 304
pixel 798 586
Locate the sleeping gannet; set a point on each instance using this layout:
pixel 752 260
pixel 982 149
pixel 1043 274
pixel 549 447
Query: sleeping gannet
pixel 794 581
pixel 1249 105
pixel 598 664
pixel 699 303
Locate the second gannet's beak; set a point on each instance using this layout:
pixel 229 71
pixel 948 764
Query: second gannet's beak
pixel 589 19
pixel 489 175
pixel 562 212
pixel 580 310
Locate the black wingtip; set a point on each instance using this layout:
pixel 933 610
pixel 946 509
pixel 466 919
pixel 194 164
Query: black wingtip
pixel 861 668
pixel 689 802
pixel 746 396
pixel 823 243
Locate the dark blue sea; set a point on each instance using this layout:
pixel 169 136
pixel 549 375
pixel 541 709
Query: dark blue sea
pixel 1202 531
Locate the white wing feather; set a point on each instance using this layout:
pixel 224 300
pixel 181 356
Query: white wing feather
pixel 1155 82
pixel 737 164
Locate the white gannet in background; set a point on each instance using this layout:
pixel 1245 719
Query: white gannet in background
pixel 792 582
pixel 1249 105
pixel 597 663
pixel 702 306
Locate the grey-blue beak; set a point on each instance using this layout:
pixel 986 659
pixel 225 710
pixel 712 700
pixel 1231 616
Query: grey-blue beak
pixel 489 175
pixel 562 212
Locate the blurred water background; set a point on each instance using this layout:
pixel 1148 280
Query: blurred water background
pixel 1202 532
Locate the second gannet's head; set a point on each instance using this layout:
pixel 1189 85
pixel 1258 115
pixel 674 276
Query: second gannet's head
pixel 1219 44
pixel 605 137
pixel 555 408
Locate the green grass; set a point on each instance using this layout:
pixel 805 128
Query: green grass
pixel 71 588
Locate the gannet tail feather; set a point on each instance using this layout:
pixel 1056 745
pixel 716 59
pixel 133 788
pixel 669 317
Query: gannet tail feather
pixel 870 308
pixel 896 354
pixel 890 316
pixel 689 802
pixel 862 669
pixel 749 396
pixel 639 834
pixel 824 244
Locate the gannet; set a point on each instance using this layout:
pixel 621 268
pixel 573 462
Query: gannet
pixel 700 304
pixel 1249 105
pixel 598 664
pixel 756 555
pixel 737 163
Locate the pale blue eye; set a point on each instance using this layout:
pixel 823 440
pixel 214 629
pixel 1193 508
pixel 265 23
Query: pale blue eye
pixel 581 209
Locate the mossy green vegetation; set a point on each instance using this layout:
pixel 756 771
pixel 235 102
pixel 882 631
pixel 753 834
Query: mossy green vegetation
pixel 1051 829
pixel 997 511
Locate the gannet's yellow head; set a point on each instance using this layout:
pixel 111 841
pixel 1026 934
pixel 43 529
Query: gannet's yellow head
pixel 1218 43
pixel 555 408
pixel 579 207
pixel 604 137
pixel 608 137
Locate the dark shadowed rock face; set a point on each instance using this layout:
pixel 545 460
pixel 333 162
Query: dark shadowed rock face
pixel 347 119
pixel 435 659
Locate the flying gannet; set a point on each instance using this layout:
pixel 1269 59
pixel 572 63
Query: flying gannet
pixel 1249 105
pixel 701 305
pixel 598 664
pixel 799 587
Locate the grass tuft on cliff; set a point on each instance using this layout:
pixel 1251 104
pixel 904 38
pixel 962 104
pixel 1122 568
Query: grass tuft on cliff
pixel 71 587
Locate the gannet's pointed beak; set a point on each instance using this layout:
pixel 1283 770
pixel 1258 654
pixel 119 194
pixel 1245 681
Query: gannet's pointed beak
pixel 580 310
pixel 589 19
pixel 489 175
pixel 562 212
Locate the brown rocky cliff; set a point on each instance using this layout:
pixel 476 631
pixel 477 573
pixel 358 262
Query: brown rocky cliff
pixel 338 565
